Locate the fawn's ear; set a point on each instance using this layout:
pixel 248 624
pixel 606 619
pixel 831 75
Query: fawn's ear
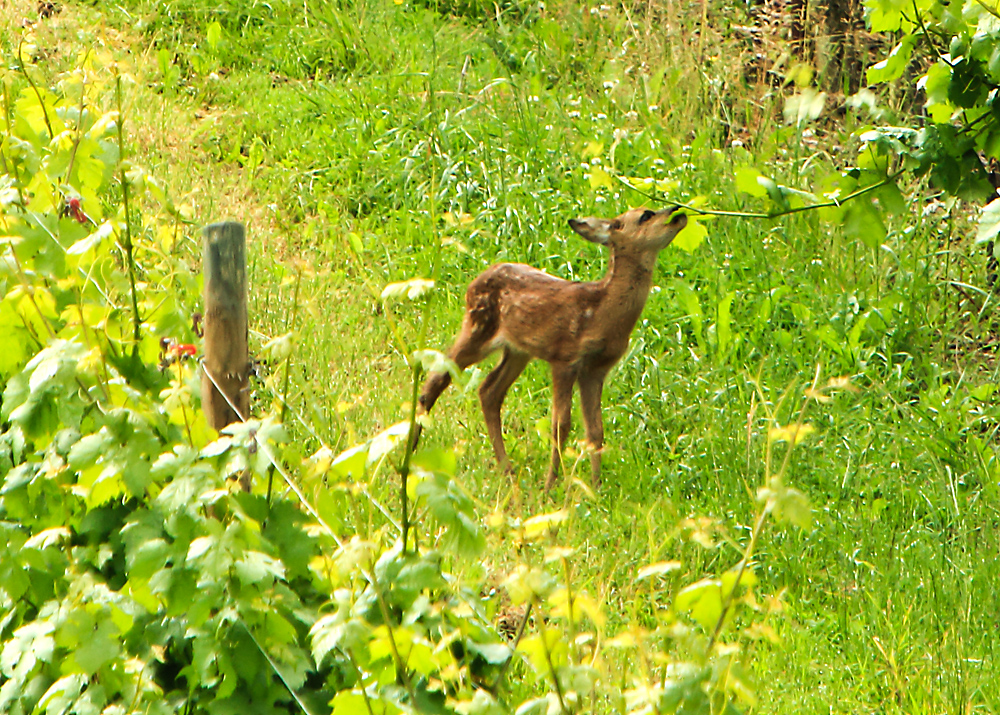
pixel 595 230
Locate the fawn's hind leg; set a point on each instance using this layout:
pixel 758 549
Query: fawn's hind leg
pixel 469 348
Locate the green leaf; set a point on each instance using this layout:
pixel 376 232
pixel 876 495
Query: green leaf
pixel 804 107
pixel 256 567
pixel 387 440
pixel 90 449
pixel 100 647
pixel 482 703
pixel 937 86
pixel 351 463
pixel 775 193
pixel 495 653
pixel 861 221
pixel 436 361
pixel 352 702
pixel 692 235
pixel 213 33
pixel 989 222
pixel 599 177
pixel 278 349
pixel 703 601
pixel 723 325
pixel 748 181
pixel 453 508
pixel 413 289
pixel 661 568
pixel 793 506
pixel 885 15
pixel 893 66
pixel 966 88
pixel 692 306
pixel 62 694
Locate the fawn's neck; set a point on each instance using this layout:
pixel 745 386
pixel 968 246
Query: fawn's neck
pixel 626 286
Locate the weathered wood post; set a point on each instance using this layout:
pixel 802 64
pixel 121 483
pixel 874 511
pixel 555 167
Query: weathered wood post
pixel 227 358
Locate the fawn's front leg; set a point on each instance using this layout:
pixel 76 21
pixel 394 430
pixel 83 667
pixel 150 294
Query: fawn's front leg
pixel 591 387
pixel 563 379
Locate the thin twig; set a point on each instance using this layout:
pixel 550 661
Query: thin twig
pixel 513 648
pixel 833 203
pixel 34 87
pixel 129 260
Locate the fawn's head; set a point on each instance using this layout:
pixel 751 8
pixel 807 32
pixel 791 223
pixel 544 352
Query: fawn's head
pixel 639 229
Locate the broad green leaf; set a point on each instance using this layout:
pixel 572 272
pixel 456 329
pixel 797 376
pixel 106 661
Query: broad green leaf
pixel 441 461
pixel 453 508
pixel 893 66
pixel 863 222
pixel 48 537
pixel 436 361
pixel 62 694
pixel 804 107
pixel 352 702
pixel 539 706
pixel 30 643
pixel 989 222
pixel 495 653
pixel 543 524
pixel 93 240
pixel 599 177
pixel 748 579
pixel 482 703
pixel 413 289
pixel 886 15
pixel 545 647
pixel 660 568
pixel 936 84
pixel 387 440
pixel 692 235
pixel 775 193
pixel 793 506
pixel 703 601
pixel 100 647
pixel 200 546
pixel 256 567
pixel 351 463
pixel 213 33
pixel 966 88
pixel 90 449
pixel 524 584
pixel 747 181
pixel 278 349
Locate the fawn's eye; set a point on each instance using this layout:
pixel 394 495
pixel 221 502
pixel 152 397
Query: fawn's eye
pixel 646 215
pixel 616 225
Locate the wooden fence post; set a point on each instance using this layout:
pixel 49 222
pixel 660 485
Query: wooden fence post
pixel 227 358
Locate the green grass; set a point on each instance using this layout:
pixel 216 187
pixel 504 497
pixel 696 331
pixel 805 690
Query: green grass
pixel 345 136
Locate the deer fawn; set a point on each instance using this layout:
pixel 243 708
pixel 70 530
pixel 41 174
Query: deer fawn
pixel 580 329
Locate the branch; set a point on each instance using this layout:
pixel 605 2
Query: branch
pixel 832 203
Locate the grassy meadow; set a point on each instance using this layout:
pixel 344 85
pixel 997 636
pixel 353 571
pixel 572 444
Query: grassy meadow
pixel 371 142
